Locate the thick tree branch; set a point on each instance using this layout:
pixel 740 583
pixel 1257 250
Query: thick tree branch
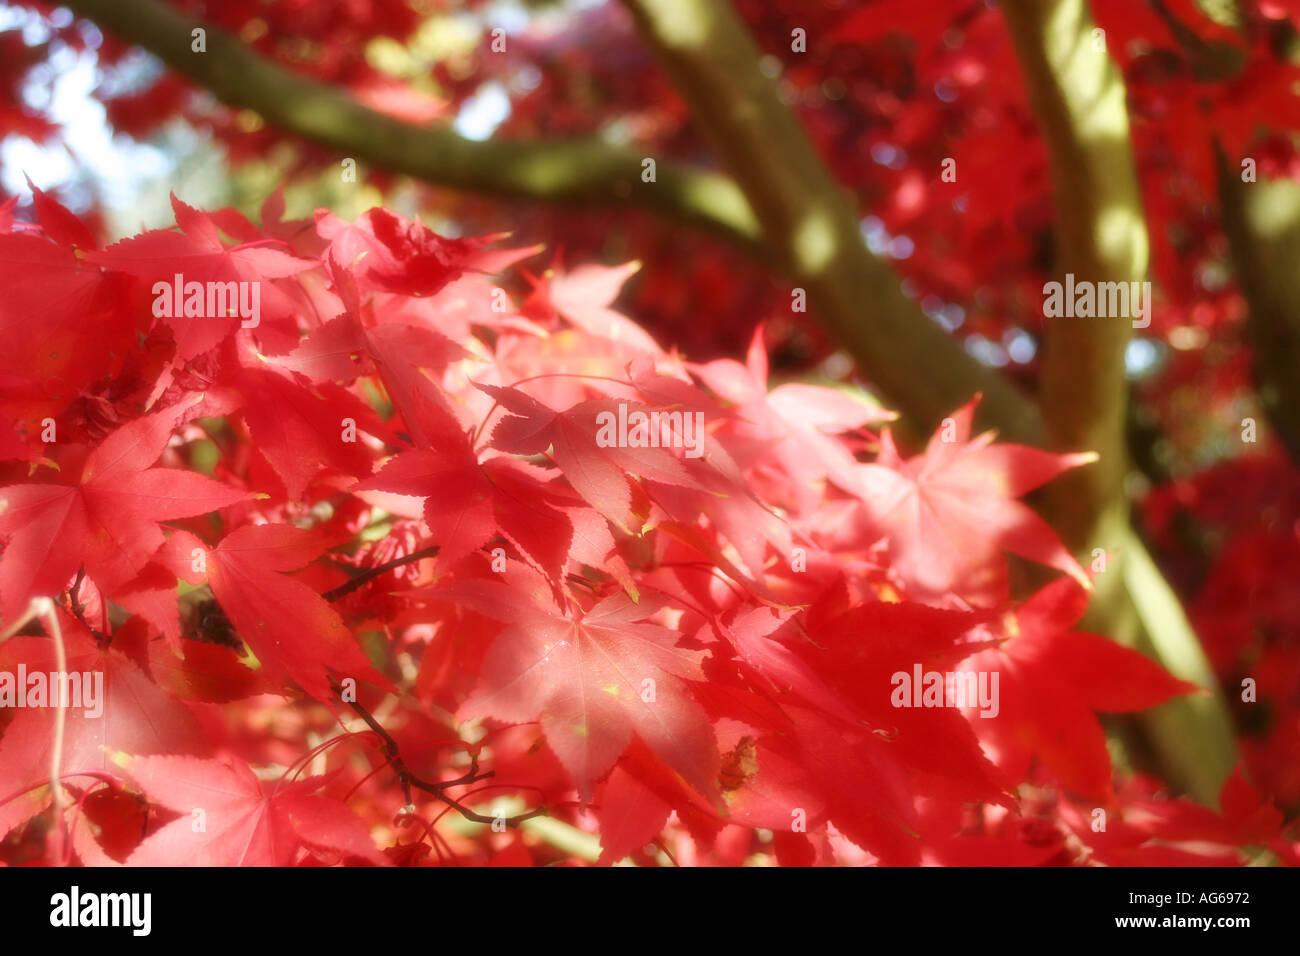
pixel 811 223
pixel 571 170
pixel 817 238
pixel 1078 96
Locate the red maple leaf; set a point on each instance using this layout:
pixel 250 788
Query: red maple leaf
pixel 793 426
pixel 106 519
pixel 948 514
pixel 292 629
pixel 198 255
pixel 594 679
pixel 1053 679
pixel 83 332
pixel 583 297
pixel 230 818
pixel 859 653
pixel 392 254
pixel 597 470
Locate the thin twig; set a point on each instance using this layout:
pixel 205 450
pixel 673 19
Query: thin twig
pixel 410 781
pixel 369 574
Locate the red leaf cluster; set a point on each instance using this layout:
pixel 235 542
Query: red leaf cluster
pixel 338 567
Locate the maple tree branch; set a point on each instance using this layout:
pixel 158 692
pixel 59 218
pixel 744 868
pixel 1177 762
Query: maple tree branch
pixel 469 814
pixel 409 781
pixel 369 574
pixel 576 170
pixel 1209 61
pixel 1078 97
pixel 813 232
pixel 811 226
pixel 1262 220
pixel 391 751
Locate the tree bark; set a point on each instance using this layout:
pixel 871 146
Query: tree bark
pixel 1078 97
pixel 811 224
